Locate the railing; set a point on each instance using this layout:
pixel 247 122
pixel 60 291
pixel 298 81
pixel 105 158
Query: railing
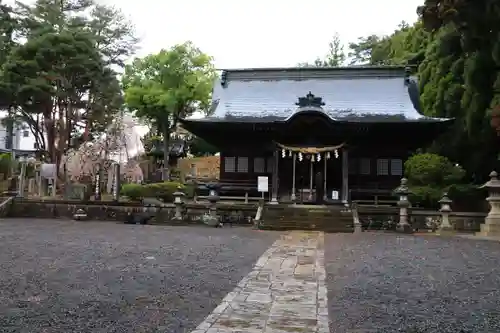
pixel 386 218
pixel 236 213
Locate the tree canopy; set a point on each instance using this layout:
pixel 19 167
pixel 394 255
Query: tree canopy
pixel 58 62
pixel 169 85
pixel 454 49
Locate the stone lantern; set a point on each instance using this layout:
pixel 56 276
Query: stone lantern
pixel 213 197
pixel 445 210
pixel 80 215
pixel 403 203
pixel 491 227
pixel 178 202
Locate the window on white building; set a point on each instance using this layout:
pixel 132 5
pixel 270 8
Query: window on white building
pixel 26 134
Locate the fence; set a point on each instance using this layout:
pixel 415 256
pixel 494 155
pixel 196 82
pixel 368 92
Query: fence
pixel 386 218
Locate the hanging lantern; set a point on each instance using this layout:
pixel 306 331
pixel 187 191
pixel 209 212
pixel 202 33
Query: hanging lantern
pixel 336 153
pixel 289 153
pixel 312 158
pixel 318 158
pixel 301 157
pixel 283 153
pixel 328 155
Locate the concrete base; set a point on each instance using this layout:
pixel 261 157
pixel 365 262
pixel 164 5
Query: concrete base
pixel 449 231
pixel 357 228
pixel 490 229
pixel 404 228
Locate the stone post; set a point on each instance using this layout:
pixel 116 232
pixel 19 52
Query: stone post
pixel 22 177
pixel 403 203
pixel 97 179
pixel 445 210
pixel 179 203
pixel 116 181
pixel 258 214
pixel 491 227
pixel 213 198
pixel 294 167
pixel 275 181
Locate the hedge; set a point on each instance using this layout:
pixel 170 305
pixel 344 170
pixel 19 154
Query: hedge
pixel 163 191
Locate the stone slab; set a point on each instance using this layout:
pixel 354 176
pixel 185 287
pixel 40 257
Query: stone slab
pixel 285 292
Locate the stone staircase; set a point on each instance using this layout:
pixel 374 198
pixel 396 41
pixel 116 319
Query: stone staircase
pixel 307 217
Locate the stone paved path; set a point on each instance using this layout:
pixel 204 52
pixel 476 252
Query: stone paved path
pixel 284 293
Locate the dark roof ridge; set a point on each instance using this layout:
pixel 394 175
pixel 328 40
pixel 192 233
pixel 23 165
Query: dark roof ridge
pixel 298 68
pixel 304 73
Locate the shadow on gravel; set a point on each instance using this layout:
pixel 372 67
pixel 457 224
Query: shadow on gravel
pixel 391 283
pixel 58 276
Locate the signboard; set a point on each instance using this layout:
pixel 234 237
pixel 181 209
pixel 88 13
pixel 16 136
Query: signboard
pixel 335 195
pixel 263 184
pixel 48 171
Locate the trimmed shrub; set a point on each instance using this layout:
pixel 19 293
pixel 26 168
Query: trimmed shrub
pixel 134 192
pixel 430 175
pixel 163 191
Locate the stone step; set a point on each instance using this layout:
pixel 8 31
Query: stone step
pixel 491 228
pixel 329 219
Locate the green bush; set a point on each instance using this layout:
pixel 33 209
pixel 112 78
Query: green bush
pixel 163 191
pixel 432 169
pixel 133 191
pixel 430 175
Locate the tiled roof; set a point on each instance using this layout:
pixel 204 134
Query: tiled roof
pixel 350 94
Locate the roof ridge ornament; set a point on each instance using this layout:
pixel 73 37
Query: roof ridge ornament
pixel 310 100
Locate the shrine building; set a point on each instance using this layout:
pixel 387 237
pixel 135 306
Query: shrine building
pixel 323 135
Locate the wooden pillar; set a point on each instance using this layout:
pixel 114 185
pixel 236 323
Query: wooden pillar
pixel 274 195
pixel 325 195
pixel 311 179
pixel 345 176
pixel 294 166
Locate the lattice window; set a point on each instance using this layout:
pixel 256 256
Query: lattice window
pixel 353 166
pixel 382 167
pixel 270 163
pixel 365 166
pixel 396 167
pixel 230 164
pixel 242 164
pixel 259 165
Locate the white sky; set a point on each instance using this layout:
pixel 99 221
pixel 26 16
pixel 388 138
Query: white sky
pixel 260 33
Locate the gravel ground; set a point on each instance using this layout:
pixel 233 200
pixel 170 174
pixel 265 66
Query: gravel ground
pixel 58 276
pixel 392 283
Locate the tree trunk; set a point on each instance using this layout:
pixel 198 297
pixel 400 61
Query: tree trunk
pixel 166 155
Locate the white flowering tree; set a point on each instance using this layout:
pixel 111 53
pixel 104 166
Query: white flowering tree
pixel 116 146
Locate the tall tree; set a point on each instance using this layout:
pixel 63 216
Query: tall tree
pixel 460 76
pixel 49 77
pixel 80 25
pixel 169 85
pixel 335 56
pixel 8 27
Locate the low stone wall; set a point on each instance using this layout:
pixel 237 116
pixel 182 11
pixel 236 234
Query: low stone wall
pixel 113 211
pixel 386 218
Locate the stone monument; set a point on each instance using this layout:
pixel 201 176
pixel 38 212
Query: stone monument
pixel 491 227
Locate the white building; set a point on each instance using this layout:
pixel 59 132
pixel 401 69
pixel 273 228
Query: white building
pixel 23 138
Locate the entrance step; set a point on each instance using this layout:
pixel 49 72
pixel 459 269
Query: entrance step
pixel 302 217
